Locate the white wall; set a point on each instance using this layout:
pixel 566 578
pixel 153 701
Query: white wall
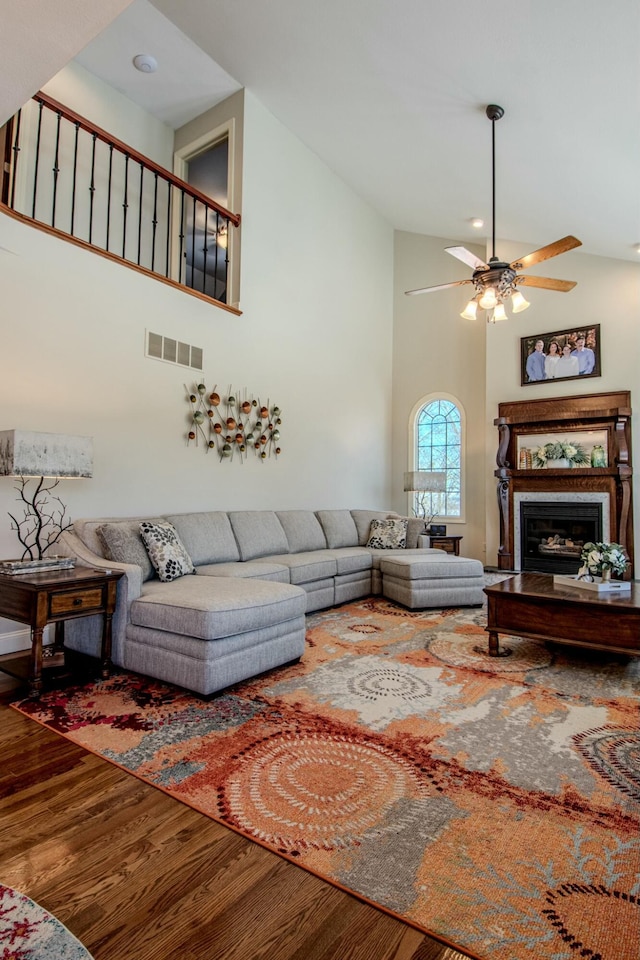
pixel 39 38
pixel 608 293
pixel 89 96
pixel 436 351
pixel 315 337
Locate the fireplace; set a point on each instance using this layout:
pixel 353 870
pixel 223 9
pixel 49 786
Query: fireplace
pixel 538 540
pixel 553 534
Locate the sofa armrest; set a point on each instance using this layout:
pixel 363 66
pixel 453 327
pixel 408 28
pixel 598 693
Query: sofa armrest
pixel 72 546
pixel 423 543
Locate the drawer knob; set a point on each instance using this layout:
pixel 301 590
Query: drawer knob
pixel 77 601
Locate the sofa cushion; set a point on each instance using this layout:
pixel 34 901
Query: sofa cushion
pixel 362 520
pixel 339 528
pixel 258 533
pixel 388 534
pixel 302 529
pixel 122 543
pixel 352 559
pixel 241 570
pixel 166 550
pixel 215 607
pixel 309 566
pixel 207 537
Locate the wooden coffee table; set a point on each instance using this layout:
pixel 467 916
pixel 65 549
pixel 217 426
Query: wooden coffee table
pixel 530 605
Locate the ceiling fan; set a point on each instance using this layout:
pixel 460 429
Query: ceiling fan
pixel 496 282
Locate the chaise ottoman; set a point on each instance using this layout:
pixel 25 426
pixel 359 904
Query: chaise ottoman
pixel 442 581
pixel 205 633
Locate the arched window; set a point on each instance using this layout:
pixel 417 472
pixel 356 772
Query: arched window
pixel 438 440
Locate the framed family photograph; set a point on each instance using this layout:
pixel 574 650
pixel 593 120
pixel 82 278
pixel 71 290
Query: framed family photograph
pixel 562 355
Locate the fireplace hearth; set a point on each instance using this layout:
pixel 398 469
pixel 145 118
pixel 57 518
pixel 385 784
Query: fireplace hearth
pixel 553 535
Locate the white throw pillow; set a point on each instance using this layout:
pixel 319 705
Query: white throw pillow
pixel 388 534
pixel 166 550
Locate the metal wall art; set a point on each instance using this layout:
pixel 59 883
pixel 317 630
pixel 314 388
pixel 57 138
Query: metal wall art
pixel 234 425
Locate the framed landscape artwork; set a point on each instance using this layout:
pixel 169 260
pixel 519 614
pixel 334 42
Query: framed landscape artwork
pixel 562 355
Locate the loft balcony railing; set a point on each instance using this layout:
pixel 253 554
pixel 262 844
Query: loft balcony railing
pixel 68 176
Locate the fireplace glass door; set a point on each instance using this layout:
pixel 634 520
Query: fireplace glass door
pixel 553 534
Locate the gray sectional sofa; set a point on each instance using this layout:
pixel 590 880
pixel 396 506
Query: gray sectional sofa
pixel 258 573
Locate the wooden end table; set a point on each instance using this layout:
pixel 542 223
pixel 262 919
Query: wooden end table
pixel 448 544
pixel 54 597
pixel 531 605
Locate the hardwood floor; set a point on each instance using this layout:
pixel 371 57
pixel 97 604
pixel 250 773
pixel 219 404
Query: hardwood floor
pixel 136 875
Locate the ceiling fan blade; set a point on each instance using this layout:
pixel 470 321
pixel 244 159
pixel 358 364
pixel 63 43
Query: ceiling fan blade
pixel 545 253
pixel 440 286
pixel 461 253
pixel 547 283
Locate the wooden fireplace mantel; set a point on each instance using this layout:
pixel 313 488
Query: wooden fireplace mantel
pixel 609 413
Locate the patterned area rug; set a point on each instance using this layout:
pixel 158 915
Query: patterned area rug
pixel 494 803
pixel 27 932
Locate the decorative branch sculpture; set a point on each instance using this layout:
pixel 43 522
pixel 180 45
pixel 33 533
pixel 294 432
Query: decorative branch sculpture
pixel 43 523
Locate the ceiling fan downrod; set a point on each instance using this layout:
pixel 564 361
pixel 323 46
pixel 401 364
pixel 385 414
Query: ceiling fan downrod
pixel 494 112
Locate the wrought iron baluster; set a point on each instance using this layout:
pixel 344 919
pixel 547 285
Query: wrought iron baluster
pixel 206 248
pixel 182 238
pixel 193 242
pixel 109 195
pixel 16 151
pixel 56 170
pixel 92 185
pixel 154 222
pixel 140 212
pixel 74 179
pixel 217 254
pixel 37 161
pixel 168 227
pixel 125 205
pixel 225 299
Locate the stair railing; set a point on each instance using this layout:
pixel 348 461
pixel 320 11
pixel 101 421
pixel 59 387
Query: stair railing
pixel 73 178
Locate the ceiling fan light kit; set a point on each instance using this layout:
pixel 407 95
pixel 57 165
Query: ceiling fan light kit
pixel 496 283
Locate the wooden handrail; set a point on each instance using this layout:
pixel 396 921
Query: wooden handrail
pixel 110 140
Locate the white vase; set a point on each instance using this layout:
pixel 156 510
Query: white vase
pixel 561 464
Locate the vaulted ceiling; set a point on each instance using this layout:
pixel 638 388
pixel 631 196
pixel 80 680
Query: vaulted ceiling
pixel 391 95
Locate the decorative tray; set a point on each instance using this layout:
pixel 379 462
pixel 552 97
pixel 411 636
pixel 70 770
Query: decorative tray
pixel 596 586
pixel 16 567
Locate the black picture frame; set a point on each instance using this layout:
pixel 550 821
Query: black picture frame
pixel 589 358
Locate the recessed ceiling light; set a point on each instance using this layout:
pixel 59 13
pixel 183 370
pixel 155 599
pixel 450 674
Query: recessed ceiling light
pixel 145 63
pixel 477 223
pixel 638 248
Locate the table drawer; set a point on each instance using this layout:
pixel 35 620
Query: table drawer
pixel 73 601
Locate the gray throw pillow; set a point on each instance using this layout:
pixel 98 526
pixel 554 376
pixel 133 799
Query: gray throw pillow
pixel 122 543
pixel 415 529
pixel 166 550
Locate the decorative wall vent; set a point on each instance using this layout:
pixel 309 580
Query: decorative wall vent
pixel 173 351
pixel 234 424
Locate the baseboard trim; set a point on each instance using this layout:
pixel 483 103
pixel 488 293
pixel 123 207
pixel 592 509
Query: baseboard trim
pixel 14 641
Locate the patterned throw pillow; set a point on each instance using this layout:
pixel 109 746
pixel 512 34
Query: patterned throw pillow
pixel 166 550
pixel 388 534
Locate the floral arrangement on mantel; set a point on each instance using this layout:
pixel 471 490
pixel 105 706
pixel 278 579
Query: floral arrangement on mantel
pixel 601 560
pixel 570 455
